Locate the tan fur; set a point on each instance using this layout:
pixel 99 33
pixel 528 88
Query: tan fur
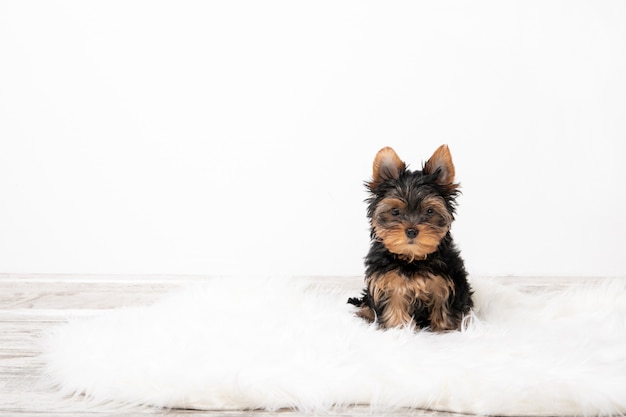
pixel 393 235
pixel 387 165
pixel 441 159
pixel 389 203
pixel 366 313
pixel 396 294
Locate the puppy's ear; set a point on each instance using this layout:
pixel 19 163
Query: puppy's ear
pixel 441 162
pixel 387 166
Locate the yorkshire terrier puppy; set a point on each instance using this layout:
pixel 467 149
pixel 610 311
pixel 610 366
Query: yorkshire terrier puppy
pixel 414 273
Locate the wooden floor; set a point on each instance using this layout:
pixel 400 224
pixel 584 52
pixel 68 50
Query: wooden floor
pixel 30 304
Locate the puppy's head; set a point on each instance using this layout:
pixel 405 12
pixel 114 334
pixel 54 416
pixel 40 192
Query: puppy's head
pixel 411 211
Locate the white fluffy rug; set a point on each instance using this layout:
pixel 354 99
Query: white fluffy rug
pixel 275 343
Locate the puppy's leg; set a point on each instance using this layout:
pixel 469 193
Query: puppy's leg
pixel 441 317
pixel 392 299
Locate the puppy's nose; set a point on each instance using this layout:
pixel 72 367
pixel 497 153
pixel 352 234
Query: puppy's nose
pixel 411 233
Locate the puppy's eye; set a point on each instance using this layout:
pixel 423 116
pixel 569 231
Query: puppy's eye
pixel 395 211
pixel 430 212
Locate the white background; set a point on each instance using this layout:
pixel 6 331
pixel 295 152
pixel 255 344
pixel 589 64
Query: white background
pixel 233 137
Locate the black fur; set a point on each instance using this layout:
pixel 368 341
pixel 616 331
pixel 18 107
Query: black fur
pixel 446 261
pixel 412 187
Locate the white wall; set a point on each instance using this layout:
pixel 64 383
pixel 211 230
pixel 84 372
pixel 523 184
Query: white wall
pixel 233 137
